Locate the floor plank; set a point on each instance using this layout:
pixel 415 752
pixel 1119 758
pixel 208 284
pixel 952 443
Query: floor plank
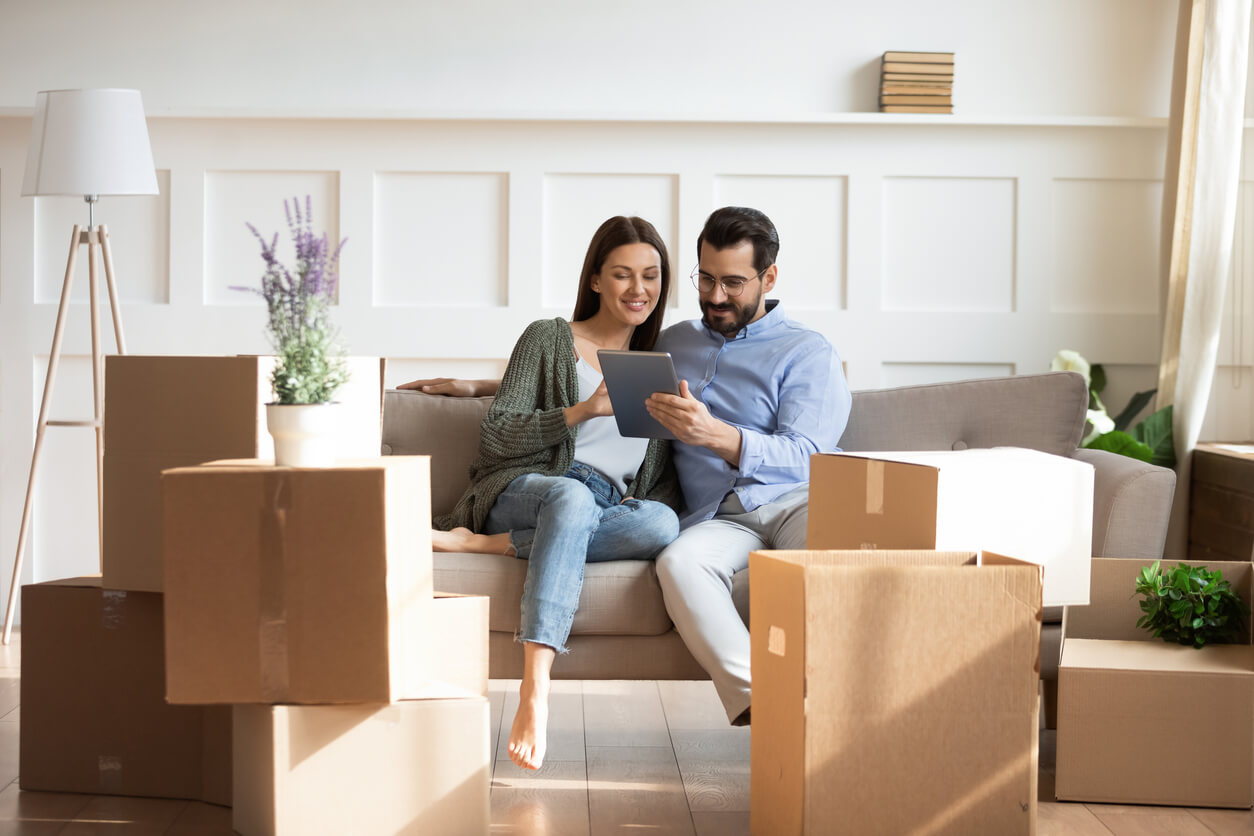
pixel 1226 822
pixel 1129 820
pixel 123 816
pixel 721 822
pixel 37 813
pixel 552 801
pixel 198 819
pixel 1065 818
pixel 715 768
pixel 624 713
pixel 637 787
pixel 10 736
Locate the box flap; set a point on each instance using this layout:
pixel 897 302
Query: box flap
pixel 1155 655
pixel 1115 607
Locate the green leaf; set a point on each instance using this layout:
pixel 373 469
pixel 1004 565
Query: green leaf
pixel 1156 433
pixel 1097 378
pixel 1123 444
pixel 1137 403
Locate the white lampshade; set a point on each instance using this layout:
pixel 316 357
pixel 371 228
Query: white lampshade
pixel 89 142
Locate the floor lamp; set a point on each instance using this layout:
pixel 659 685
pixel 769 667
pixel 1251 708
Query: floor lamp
pixel 84 143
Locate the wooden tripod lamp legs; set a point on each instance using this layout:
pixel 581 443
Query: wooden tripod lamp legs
pixel 93 238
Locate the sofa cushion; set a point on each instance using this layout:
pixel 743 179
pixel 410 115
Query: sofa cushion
pixel 444 428
pixel 1042 412
pixel 620 597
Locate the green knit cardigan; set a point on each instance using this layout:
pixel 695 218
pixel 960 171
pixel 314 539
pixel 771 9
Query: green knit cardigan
pixel 525 429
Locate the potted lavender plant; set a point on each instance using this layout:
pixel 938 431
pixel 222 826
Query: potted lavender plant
pixel 310 363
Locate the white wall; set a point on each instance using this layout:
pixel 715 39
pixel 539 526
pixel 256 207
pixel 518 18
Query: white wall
pixel 1074 57
pixel 925 248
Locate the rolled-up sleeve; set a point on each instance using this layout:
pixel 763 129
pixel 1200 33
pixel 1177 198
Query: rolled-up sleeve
pixel 814 402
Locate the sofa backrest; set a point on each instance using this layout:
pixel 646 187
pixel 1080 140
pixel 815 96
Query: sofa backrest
pixel 1043 412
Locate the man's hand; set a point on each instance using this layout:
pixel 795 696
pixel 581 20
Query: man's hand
pixel 453 387
pixel 692 423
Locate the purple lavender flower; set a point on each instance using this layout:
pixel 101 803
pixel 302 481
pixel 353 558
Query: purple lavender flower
pixel 311 365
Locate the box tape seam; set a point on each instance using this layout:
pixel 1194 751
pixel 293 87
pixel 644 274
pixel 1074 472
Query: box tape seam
pixel 272 567
pixel 875 486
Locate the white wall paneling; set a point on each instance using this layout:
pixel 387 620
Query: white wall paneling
pixel 811 210
pixel 441 239
pixel 916 374
pixel 576 204
pixel 264 199
pixel 949 244
pixel 1107 245
pixel 139 237
pixel 461 231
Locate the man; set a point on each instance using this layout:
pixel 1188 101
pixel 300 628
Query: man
pixel 759 394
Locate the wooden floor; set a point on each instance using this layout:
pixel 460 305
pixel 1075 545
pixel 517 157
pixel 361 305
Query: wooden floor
pixel 624 757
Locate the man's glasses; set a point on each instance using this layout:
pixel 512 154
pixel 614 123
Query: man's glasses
pixel 733 286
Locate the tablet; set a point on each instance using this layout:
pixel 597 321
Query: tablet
pixel 630 378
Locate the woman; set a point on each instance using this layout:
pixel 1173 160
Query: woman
pixel 554 482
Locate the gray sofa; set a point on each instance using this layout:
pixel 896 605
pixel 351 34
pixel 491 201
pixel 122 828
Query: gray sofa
pixel 621 630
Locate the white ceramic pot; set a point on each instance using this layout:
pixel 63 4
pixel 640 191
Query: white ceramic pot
pixel 305 435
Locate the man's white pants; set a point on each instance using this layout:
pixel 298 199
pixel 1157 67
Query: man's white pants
pixel 697 573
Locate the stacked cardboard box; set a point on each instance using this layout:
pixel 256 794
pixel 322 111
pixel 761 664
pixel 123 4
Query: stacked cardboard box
pixel 1025 503
pixel 893 692
pixel 1141 721
pixel 304 598
pixel 94 714
pixel 917 82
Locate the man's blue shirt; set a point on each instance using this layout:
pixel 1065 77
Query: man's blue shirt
pixel 780 384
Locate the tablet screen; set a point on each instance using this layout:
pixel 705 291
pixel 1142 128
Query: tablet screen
pixel 630 378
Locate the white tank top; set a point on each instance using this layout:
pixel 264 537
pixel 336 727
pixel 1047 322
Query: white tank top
pixel 598 443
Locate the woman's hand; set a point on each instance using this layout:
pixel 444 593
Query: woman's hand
pixel 596 406
pixel 454 387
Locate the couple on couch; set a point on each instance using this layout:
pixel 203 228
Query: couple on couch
pixel 555 483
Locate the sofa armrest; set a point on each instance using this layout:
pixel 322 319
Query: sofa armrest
pixel 1131 505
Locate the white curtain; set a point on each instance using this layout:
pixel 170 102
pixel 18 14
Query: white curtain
pixel 1220 116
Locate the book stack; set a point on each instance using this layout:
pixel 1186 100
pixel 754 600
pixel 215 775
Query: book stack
pixel 917 82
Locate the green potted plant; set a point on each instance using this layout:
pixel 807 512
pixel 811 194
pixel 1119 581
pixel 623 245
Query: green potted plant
pixel 1190 605
pixel 1149 440
pixel 310 363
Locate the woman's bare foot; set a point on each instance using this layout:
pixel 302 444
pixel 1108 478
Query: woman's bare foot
pixel 465 540
pixel 527 736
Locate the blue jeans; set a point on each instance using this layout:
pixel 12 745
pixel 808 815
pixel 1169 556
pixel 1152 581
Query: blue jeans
pixel 559 523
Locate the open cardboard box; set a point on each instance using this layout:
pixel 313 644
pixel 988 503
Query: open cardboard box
pixel 165 412
pixel 1141 721
pixel 94 715
pixel 418 767
pixel 894 692
pixel 1033 505
pixel 288 585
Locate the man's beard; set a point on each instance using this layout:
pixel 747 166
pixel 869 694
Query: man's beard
pixel 728 327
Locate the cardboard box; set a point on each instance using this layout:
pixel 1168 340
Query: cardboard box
pixel 893 692
pixel 311 586
pixel 164 412
pixel 1007 500
pixel 1141 721
pixel 94 716
pixel 421 767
